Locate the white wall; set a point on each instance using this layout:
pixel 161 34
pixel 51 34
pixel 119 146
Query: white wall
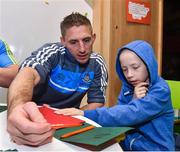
pixel 28 24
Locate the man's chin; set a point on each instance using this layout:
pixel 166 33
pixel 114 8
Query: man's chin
pixel 83 61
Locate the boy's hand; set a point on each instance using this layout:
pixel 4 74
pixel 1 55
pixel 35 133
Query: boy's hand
pixel 140 90
pixel 70 111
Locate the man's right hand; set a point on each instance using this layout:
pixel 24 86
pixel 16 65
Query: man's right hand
pixel 27 126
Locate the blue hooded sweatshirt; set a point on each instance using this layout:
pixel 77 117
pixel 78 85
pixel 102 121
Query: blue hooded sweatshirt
pixel 151 116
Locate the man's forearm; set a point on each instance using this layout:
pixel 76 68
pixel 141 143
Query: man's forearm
pixel 21 89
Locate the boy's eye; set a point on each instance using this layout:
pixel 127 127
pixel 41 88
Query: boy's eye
pixel 124 70
pixel 136 67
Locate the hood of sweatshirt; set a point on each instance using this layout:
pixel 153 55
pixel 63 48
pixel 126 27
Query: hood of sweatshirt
pixel 145 51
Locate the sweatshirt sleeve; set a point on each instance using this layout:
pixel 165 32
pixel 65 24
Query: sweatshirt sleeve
pixel 135 112
pixel 97 91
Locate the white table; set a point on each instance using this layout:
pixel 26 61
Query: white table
pixel 55 145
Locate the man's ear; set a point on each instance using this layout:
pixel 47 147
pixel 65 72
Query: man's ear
pixel 62 40
pixel 94 37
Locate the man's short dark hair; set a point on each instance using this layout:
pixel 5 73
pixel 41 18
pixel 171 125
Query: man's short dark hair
pixel 74 19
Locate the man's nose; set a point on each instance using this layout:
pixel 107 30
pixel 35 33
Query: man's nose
pixel 81 46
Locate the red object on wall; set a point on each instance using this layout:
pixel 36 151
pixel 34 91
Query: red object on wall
pixel 138 12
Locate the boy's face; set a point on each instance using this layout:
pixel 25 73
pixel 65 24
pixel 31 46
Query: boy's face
pixel 79 41
pixel 133 68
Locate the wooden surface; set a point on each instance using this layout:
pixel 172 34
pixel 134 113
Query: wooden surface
pixel 113 31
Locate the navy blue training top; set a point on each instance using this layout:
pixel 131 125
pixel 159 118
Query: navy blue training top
pixel 64 81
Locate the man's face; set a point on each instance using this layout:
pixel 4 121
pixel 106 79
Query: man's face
pixel 133 68
pixel 79 41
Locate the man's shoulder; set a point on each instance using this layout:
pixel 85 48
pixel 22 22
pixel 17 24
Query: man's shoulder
pixel 53 45
pixel 50 47
pixel 97 57
pixel 97 62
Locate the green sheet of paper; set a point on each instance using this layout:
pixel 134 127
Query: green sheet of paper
pixel 95 139
pixel 3 108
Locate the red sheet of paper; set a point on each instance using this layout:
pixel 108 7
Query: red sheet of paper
pixel 58 120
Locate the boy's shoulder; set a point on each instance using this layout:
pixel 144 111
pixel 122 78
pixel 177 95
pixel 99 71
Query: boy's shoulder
pixel 162 85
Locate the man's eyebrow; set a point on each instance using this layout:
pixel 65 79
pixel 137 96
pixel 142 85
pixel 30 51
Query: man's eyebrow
pixel 73 40
pixel 88 37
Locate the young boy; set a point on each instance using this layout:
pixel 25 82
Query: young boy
pixel 144 102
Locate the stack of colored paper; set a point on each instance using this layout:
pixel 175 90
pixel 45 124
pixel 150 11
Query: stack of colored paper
pixel 58 120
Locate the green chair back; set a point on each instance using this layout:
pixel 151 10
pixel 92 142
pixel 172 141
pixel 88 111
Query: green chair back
pixel 175 93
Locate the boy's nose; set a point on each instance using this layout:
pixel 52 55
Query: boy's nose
pixel 129 74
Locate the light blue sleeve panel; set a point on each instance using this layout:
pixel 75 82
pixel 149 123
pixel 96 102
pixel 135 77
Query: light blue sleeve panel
pixel 6 56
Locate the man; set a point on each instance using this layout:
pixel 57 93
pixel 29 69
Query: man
pixel 8 65
pixel 57 75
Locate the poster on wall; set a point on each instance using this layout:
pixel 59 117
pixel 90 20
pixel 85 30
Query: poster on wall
pixel 138 11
